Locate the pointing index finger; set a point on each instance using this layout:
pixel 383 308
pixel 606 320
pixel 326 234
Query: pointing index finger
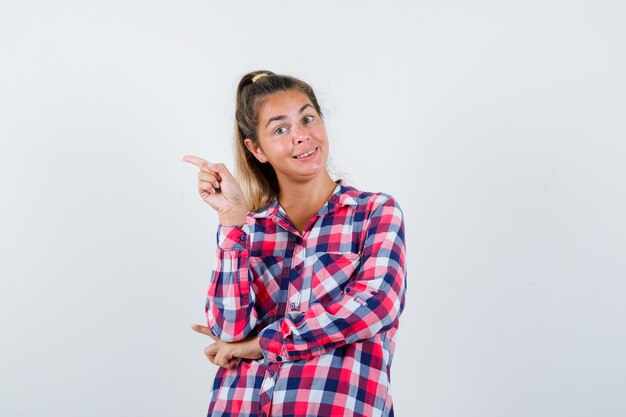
pixel 196 160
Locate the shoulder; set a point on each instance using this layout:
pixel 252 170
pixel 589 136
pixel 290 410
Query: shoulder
pixel 370 201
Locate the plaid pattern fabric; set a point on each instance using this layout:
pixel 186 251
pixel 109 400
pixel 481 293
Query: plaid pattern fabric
pixel 325 305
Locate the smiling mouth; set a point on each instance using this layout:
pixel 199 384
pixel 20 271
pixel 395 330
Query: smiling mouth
pixel 304 155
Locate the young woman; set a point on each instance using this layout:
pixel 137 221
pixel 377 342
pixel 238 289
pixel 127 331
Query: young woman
pixel 309 280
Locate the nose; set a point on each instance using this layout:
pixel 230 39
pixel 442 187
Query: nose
pixel 300 134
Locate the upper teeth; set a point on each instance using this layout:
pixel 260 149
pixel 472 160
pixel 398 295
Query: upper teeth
pixel 305 154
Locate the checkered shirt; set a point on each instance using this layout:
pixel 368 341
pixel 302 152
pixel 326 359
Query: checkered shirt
pixel 325 305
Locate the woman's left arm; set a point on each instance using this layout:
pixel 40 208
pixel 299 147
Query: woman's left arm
pixel 369 304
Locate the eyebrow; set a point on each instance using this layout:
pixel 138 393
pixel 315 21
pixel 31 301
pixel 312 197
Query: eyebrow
pixel 284 117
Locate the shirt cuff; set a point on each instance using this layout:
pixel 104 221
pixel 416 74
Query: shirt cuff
pixel 231 237
pixel 272 344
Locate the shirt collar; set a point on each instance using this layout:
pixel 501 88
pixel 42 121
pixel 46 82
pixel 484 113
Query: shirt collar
pixel 343 195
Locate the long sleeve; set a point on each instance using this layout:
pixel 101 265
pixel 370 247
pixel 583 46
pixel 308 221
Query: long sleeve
pixel 230 301
pixel 370 303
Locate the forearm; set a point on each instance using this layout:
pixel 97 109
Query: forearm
pixel 355 317
pixel 230 301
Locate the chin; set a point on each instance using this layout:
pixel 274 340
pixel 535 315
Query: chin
pixel 314 172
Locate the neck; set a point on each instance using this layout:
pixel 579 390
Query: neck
pixel 312 193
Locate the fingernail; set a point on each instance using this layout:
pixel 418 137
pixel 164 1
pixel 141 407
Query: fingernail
pixel 217 185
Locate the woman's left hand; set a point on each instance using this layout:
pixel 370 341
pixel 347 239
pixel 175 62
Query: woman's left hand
pixel 228 355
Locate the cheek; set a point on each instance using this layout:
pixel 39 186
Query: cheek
pixel 277 151
pixel 320 133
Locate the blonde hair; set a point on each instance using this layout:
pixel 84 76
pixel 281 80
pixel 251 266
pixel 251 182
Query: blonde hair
pixel 258 180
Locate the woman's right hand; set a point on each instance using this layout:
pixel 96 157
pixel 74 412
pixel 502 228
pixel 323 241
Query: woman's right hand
pixel 219 189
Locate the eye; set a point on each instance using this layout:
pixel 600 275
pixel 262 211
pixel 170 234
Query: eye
pixel 280 130
pixel 308 119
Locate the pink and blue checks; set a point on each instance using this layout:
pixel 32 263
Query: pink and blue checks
pixel 325 305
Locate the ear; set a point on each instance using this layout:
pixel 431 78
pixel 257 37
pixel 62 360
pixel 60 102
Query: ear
pixel 255 149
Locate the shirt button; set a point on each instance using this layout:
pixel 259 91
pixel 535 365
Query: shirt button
pixel 298 240
pixel 272 374
pixel 292 305
pixel 278 358
pixel 243 237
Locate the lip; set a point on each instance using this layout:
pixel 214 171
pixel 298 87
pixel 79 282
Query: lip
pixel 306 157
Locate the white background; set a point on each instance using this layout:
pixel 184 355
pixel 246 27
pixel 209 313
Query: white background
pixel 498 126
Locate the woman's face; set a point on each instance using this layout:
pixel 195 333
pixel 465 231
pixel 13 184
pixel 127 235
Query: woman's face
pixel 291 135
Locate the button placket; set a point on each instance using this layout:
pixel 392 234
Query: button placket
pixel 297 267
pixel 294 301
pixel 267 388
pixel 305 291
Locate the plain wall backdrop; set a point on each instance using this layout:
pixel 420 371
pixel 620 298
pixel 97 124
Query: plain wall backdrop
pixel 499 127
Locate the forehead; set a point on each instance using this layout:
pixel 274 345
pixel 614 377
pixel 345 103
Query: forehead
pixel 283 103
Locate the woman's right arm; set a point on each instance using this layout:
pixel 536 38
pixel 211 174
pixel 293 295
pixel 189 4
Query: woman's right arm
pixel 230 302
